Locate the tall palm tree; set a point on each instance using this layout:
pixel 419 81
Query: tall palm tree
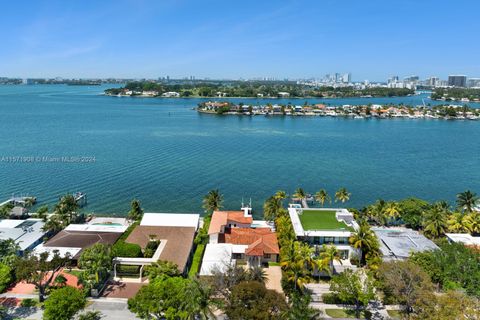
pixel 300 194
pixel 66 208
pixel 280 194
pixel 271 207
pixel 212 201
pixel 330 254
pixel 297 262
pixel 365 240
pixel 435 221
pixel 322 196
pixel 342 195
pixel 467 200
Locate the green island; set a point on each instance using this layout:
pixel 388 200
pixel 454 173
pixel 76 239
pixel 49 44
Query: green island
pixel 456 94
pixel 249 89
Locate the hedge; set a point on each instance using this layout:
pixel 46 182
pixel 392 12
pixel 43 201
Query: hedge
pixel 197 259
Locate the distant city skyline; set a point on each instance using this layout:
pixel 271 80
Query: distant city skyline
pixel 373 40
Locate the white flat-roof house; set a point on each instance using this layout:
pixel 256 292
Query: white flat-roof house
pixel 26 233
pixel 324 226
pixel 465 238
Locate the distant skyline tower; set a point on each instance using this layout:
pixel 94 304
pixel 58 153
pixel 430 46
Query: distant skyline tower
pixel 347 77
pixel 457 81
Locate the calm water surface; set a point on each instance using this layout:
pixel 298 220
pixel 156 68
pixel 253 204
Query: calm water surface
pixel 168 156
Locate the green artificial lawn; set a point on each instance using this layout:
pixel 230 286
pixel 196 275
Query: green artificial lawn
pixel 321 220
pixel 342 313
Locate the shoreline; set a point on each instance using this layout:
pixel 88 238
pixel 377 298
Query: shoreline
pixel 378 111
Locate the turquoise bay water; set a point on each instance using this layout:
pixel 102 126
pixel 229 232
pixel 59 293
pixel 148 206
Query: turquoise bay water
pixel 168 156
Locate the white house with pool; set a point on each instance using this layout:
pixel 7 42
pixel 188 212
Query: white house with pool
pixel 325 226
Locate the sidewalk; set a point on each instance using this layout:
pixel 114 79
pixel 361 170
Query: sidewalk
pixel 111 308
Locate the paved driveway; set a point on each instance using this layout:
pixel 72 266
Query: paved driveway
pixel 274 278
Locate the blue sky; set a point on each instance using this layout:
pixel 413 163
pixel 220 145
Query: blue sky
pixel 231 39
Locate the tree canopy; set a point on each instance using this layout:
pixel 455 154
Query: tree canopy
pixel 64 303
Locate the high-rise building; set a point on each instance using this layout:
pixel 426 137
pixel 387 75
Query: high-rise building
pixel 411 79
pixel 347 78
pixel 433 81
pixel 473 83
pixel 457 81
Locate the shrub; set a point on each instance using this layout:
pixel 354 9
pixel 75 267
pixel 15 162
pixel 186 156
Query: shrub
pixel 28 303
pixel 128 250
pixel 151 248
pixel 5 277
pixel 128 270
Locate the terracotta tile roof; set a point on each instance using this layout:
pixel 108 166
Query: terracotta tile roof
pixel 260 241
pixel 222 218
pixel 179 242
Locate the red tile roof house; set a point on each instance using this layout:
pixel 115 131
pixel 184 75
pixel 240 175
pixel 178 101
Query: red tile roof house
pixel 239 229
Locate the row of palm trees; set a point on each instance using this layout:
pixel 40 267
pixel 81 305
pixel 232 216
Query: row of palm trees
pixel 342 195
pixel 436 219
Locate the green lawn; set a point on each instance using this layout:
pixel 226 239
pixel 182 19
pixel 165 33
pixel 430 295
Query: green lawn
pixel 321 220
pixel 342 313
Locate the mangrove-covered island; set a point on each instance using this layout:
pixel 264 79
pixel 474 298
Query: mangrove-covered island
pixel 251 89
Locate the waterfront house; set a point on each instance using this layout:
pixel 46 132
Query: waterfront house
pixel 171 94
pixel 27 234
pixel 398 243
pixel 465 238
pixel 77 237
pixel 325 226
pixel 175 232
pixel 235 238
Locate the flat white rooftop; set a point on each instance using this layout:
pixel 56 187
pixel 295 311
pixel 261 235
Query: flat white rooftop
pixel 171 220
pixel 217 256
pixel 101 225
pixel 62 251
pixel 464 238
pixel 26 233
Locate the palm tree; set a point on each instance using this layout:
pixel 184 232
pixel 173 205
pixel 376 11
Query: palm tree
pixel 136 211
pixel 322 196
pixel 300 194
pixel 66 208
pixel 435 221
pixel 280 194
pixel 342 195
pixel 328 255
pixel 467 200
pixel 200 299
pixel 271 207
pixel 297 262
pixel 212 201
pixel 391 210
pixel 53 224
pixel 456 222
pixel 471 222
pixel 365 240
pixel 257 273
